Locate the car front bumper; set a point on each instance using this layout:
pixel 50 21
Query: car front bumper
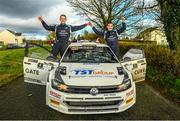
pixel 89 104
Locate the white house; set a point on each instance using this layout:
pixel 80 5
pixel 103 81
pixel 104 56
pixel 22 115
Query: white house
pixel 10 37
pixel 155 35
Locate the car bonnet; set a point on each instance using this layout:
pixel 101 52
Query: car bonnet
pixel 96 74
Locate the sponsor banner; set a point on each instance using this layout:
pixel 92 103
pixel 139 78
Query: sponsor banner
pixel 91 73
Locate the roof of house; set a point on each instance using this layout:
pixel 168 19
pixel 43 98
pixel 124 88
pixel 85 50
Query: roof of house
pixel 148 30
pixel 15 33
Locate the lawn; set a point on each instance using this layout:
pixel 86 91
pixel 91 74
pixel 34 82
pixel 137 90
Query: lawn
pixel 11 65
pixel 11 62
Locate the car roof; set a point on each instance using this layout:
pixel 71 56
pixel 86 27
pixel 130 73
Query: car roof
pixel 85 42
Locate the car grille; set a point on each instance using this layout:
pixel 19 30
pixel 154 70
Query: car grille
pixel 91 104
pixel 93 110
pixel 86 90
pixel 98 106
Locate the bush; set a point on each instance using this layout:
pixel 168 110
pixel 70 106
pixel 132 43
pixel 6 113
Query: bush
pixel 163 66
pixel 175 94
pixel 167 80
pixel 162 58
pixel 175 91
pixel 3 47
pixel 166 65
pixel 177 84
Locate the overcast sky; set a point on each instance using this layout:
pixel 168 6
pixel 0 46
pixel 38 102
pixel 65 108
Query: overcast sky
pixel 21 15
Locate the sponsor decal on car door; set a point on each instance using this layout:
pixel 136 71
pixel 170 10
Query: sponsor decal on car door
pixel 36 67
pixel 135 61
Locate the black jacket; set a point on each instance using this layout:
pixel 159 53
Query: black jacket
pixel 62 31
pixel 111 36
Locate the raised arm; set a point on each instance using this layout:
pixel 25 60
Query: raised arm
pixel 76 28
pixel 47 27
pixel 101 33
pixel 123 28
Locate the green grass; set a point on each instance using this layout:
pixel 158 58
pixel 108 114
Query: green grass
pixel 11 62
pixel 11 65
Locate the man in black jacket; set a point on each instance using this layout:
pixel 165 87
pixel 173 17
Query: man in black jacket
pixel 111 35
pixel 63 32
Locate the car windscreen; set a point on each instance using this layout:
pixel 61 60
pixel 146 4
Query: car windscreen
pixel 89 54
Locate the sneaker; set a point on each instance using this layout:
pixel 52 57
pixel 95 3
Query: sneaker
pixel 51 57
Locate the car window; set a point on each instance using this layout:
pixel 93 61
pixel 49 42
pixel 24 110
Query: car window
pixel 38 52
pixel 89 54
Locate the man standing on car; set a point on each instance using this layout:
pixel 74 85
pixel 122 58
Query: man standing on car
pixel 63 32
pixel 111 35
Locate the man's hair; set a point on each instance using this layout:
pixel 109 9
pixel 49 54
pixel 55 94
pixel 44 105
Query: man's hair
pixel 110 23
pixel 63 15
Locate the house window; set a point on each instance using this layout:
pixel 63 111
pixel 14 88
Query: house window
pixel 1 43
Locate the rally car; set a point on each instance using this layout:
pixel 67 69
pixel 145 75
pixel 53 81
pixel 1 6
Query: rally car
pixel 88 79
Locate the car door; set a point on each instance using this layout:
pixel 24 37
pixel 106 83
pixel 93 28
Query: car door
pixel 36 66
pixel 134 61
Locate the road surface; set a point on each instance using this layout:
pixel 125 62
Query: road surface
pixel 21 101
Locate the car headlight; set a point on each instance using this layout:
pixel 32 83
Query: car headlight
pixel 59 85
pixel 126 84
pixel 57 82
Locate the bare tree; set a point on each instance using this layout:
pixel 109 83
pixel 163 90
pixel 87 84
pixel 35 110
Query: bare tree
pixel 101 12
pixel 166 12
pixel 150 14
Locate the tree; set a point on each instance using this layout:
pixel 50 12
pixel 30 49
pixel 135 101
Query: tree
pixel 89 36
pixel 101 12
pixel 51 36
pixel 170 14
pixel 150 13
pixel 167 12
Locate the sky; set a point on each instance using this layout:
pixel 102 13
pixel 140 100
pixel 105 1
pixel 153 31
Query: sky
pixel 21 15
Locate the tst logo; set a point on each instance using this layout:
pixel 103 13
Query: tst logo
pixel 83 72
pixel 91 72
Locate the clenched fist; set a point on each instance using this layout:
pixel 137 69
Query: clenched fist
pixel 40 18
pixel 88 24
pixel 122 18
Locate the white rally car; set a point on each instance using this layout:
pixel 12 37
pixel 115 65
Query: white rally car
pixel 89 79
